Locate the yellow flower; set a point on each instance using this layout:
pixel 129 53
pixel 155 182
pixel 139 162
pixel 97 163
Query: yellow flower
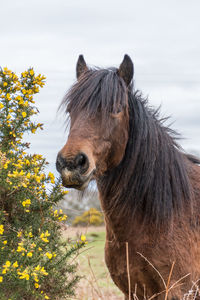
pixel 83 238
pixel 28 175
pixel 19 234
pixel 19 98
pixel 27 277
pixel 15 265
pixel 26 202
pixel 52 178
pixel 23 275
pixel 36 278
pixel 37 178
pixel 1 229
pixel 44 236
pixel 49 255
pixel 5 166
pixel 21 102
pixel 24 74
pixel 43 271
pixel 46 297
pixel 1 106
pixel 37 268
pixel 36 285
pixel 45 240
pixel 29 254
pixel 31 72
pixel 24 114
pixel 36 89
pixel 5 242
pixel 65 192
pixel 8 263
pixel 5 84
pixel 20 249
pixel 1 278
pixel 8 96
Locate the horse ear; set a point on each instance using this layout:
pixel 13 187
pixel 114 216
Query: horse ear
pixel 81 66
pixel 126 69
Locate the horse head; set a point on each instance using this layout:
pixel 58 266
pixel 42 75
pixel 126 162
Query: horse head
pixel 99 122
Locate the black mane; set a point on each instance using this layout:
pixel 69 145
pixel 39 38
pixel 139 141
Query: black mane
pixel 152 179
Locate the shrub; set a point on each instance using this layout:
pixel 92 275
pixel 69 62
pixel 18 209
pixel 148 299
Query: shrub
pixel 89 217
pixel 34 260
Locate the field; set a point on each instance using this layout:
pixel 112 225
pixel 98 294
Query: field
pixel 96 283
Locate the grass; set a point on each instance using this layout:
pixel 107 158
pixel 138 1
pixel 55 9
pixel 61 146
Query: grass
pixel 96 283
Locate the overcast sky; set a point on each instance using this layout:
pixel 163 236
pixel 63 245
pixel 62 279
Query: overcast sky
pixel 162 37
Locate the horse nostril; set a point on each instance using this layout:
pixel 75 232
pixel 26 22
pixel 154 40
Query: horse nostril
pixel 81 161
pixel 60 163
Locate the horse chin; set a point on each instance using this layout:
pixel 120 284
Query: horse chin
pixel 76 182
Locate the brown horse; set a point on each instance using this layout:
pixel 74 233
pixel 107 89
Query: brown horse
pixel 148 188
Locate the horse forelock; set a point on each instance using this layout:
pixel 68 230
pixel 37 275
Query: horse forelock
pixel 97 91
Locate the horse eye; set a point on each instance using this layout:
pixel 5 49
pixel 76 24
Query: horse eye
pixel 118 109
pixel 117 115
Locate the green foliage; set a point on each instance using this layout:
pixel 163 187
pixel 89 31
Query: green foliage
pixel 89 217
pixel 34 260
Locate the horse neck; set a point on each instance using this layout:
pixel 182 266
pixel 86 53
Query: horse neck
pixel 116 227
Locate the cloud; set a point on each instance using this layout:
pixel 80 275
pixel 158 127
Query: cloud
pixel 161 37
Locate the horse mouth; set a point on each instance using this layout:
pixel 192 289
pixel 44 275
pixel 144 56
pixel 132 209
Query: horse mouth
pixel 76 182
pixel 80 186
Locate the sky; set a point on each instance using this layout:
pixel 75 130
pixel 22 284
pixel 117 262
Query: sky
pixel 162 38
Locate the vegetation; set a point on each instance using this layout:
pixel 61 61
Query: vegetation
pixel 34 260
pixel 89 217
pixel 77 202
pixel 96 282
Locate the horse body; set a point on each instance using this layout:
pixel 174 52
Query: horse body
pixel 153 250
pixel 148 188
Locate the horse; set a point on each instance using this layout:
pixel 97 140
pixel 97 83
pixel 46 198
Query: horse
pixel 149 188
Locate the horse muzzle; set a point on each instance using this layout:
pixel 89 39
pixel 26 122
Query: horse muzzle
pixel 74 171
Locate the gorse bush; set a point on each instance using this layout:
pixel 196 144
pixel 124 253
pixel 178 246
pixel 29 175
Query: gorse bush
pixel 34 260
pixel 89 217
